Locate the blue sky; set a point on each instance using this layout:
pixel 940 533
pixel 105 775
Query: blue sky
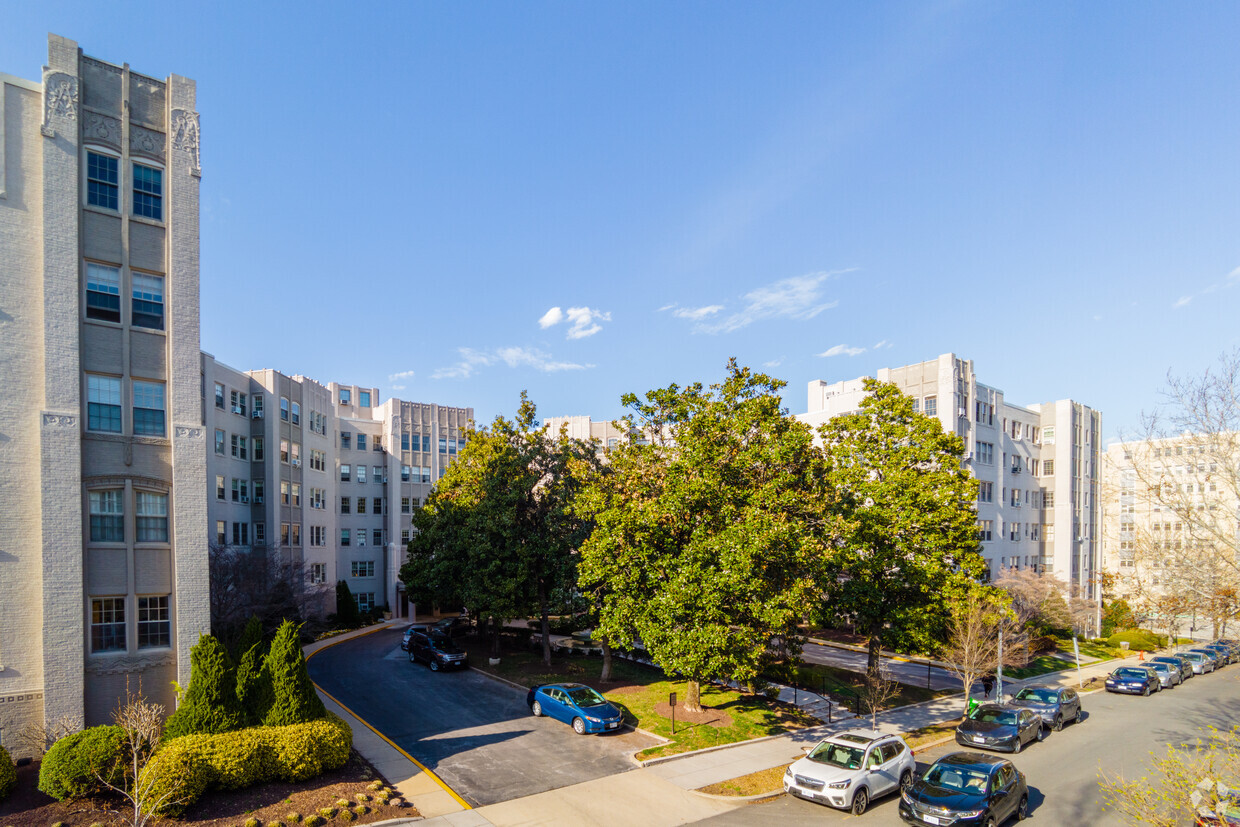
pixel 402 194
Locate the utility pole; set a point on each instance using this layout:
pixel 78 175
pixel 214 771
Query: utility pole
pixel 999 671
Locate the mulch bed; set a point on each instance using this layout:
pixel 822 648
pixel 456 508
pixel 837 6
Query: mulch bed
pixel 269 803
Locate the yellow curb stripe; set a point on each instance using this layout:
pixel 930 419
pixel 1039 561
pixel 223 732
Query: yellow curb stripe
pixel 389 741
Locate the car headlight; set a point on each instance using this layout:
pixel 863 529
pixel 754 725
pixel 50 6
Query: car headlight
pixel 594 720
pixel 969 813
pixel 788 773
pixel 840 785
pixel 908 799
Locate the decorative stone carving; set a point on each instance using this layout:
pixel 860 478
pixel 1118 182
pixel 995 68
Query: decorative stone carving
pixel 60 99
pixel 185 137
pixel 184 432
pixel 101 129
pixel 51 420
pixel 125 664
pixel 143 141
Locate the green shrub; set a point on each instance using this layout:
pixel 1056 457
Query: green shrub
pixel 347 614
pixel 314 821
pixel 1136 639
pixel 327 812
pixel 69 768
pixel 252 822
pixel 8 774
pixel 254 685
pixel 293 818
pixel 293 699
pixel 210 702
pixel 361 809
pixel 347 815
pixel 234 760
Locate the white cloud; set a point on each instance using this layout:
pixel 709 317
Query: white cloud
pixel 696 314
pixel 1183 301
pixel 799 297
pixel 842 350
pixel 1229 281
pixel 774 363
pixel 552 317
pixel 397 380
pixel 513 357
pixel 583 321
pixel 883 344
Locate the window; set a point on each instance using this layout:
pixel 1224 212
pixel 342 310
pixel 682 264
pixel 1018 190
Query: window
pixel 221 533
pixel 239 447
pixel 377 505
pixel 404 442
pixel 363 568
pixel 238 402
pixel 344 536
pixel 377 473
pixel 258 491
pixel 1048 499
pixel 148 301
pixel 361 473
pixel 1016 497
pixel 103 403
pixel 219 441
pixel 283 409
pixel 404 505
pixel 986 453
pixel 241 534
pixel 284 492
pixel 219 487
pixel 361 442
pixel 318 460
pixel 295 453
pixel 346 396
pixel 103 292
pixel 258 406
pixel 107 516
pixel 260 534
pixel 296 489
pixel 361 536
pixel 365 601
pixel 152 517
pixel 219 396
pixel 361 505
pixel 426 443
pixel 930 406
pixel 346 441
pixel 985 492
pixel 426 474
pixel 346 505
pixel 1014 531
pixel 148 192
pixel 460 445
pixel 318 573
pixel 284 532
pixel 318 498
pixel 985 528
pixel 148 408
pixel 154 625
pixel 377 537
pixel 284 450
pixel 345 472
pixel 102 181
pixel 404 473
pixel 318 535
pixel 404 536
pixel 363 399
pixel 258 446
pixel 443 445
pixel 296 414
pixel 107 624
pixel 240 491
pixel 296 539
pixel 1048 467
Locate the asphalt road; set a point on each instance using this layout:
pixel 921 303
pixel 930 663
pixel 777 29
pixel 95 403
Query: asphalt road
pixel 475 733
pixel 1118 735
pixel 913 674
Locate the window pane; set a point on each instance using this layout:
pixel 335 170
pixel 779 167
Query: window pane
pixel 152 511
pixel 107 518
pixel 148 408
pixel 147 192
pixel 154 626
pixel 107 624
pixel 102 178
pixel 103 411
pixel 148 301
pixel 103 292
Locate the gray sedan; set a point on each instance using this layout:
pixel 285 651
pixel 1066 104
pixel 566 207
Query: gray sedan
pixel 1168 675
pixel 1055 705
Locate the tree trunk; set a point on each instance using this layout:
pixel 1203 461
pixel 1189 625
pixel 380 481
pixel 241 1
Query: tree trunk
pixel 606 674
pixel 496 624
pixel 546 623
pixel 693 696
pixel 875 651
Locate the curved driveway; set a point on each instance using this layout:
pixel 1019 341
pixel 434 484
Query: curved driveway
pixel 475 733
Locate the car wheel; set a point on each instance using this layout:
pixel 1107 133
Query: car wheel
pixel 433 664
pixel 989 822
pixel 1042 733
pixel 906 779
pixel 412 659
pixel 1145 691
pixel 861 800
pixel 1019 744
pixel 1058 725
pixel 536 709
pixel 1022 811
pixel 579 726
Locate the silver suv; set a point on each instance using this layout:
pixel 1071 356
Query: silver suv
pixel 848 770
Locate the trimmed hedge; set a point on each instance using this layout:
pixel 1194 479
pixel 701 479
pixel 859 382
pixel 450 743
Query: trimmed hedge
pixel 210 702
pixel 69 768
pixel 1136 639
pixel 8 774
pixel 234 760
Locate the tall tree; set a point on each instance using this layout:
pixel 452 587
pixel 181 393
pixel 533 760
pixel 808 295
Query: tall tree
pixel 912 534
pixel 499 532
pixel 976 619
pixel 704 528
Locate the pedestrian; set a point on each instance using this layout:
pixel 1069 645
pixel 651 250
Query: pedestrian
pixel 988 685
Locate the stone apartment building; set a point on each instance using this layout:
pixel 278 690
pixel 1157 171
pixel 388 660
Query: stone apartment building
pixel 1037 466
pixel 103 542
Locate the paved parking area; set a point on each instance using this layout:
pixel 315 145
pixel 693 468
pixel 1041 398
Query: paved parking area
pixel 475 733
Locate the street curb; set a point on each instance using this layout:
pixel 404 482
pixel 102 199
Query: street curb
pixel 663 759
pixel 740 799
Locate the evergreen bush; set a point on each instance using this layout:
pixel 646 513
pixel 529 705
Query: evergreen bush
pixel 347 614
pixel 74 764
pixel 254 693
pixel 210 702
pixel 293 699
pixel 8 774
pixel 250 635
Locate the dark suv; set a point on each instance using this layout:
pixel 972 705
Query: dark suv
pixel 423 628
pixel 438 651
pixel 453 626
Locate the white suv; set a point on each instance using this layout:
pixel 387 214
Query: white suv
pixel 851 769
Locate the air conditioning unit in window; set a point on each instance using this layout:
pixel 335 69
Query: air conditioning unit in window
pixel 296 463
pixel 257 414
pixel 968 456
pixel 258 499
pixel 237 409
pixel 244 498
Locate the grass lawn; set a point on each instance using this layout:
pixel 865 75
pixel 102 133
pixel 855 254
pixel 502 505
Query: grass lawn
pixel 841 684
pixel 636 690
pixel 755 783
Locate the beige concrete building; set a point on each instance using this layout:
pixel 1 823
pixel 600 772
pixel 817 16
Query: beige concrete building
pixel 1037 466
pixel 103 541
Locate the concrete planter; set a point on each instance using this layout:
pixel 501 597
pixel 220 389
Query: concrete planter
pixel 493 661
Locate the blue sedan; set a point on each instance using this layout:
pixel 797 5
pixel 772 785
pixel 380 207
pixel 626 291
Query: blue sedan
pixel 572 703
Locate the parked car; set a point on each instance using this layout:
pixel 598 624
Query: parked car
pixel 422 628
pixel 1222 650
pixel 1201 663
pixel 572 703
pixel 1178 662
pixel 1133 680
pixel 438 651
pixel 966 788
pixel 850 769
pixel 1225 814
pixel 1055 705
pixel 1168 675
pixel 453 626
pixel 1210 655
pixel 992 726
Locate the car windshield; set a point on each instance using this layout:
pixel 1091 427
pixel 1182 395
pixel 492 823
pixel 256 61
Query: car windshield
pixel 838 755
pixel 1038 696
pixel 1130 673
pixel 584 696
pixel 994 716
pixel 444 644
pixel 957 779
pixel 1195 656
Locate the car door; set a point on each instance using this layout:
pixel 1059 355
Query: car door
pixel 890 771
pixel 417 646
pixel 1071 705
pixel 1029 725
pixel 874 777
pixel 1005 779
pixel 562 710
